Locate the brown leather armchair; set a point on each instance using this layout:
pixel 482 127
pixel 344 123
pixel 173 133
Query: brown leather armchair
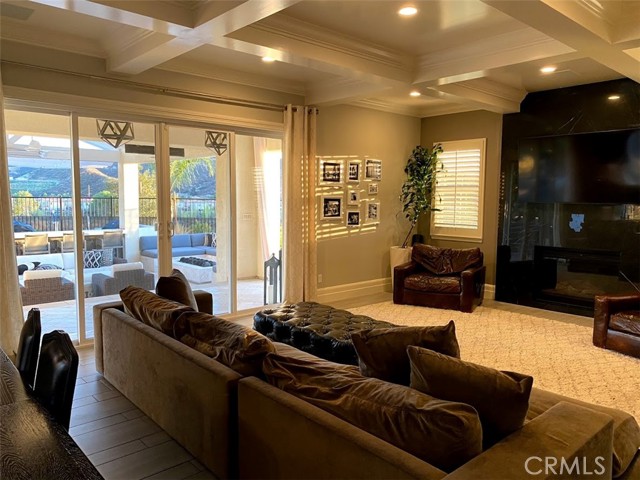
pixel 441 278
pixel 616 323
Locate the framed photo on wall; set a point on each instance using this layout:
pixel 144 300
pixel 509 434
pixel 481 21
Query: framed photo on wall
pixel 330 171
pixel 332 207
pixel 373 189
pixel 353 197
pixel 353 171
pixel 373 169
pixel 353 218
pixel 373 212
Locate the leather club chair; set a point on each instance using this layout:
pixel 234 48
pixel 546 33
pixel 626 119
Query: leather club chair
pixel 29 348
pixel 616 323
pixel 441 278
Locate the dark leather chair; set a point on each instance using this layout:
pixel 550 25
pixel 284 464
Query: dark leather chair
pixel 616 323
pixel 56 377
pixel 29 347
pixel 441 278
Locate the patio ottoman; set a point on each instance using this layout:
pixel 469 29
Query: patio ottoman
pixel 318 329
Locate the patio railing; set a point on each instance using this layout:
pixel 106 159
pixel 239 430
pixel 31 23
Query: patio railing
pixel 193 215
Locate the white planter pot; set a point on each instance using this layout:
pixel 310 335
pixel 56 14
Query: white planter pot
pixel 398 256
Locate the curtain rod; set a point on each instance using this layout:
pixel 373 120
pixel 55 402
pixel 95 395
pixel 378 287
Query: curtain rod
pixel 174 92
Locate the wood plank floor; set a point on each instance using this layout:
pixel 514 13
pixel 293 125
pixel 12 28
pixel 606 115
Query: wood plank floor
pixel 120 440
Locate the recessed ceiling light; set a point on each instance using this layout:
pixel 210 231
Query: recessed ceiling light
pixel 407 11
pixel 415 93
pixel 268 59
pixel 548 69
pixel 613 97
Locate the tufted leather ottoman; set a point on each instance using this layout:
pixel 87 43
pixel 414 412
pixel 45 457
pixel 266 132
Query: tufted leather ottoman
pixel 319 329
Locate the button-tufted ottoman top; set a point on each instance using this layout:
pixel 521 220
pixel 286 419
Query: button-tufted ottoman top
pixel 319 329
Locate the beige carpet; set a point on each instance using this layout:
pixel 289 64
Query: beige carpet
pixel 558 355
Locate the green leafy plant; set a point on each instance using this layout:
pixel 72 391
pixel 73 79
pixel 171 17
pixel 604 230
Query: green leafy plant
pixel 418 188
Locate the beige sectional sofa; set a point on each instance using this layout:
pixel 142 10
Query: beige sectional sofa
pixel 245 427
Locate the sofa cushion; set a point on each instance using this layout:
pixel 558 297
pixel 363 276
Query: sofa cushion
pixel 626 322
pixel 234 345
pixel 151 309
pixel 123 267
pixel 182 240
pixel 48 266
pixel 176 287
pixel 186 251
pixel 198 239
pixel 626 432
pixel 445 261
pixel 151 253
pixel 39 274
pixel 92 259
pixel 501 398
pixel 148 242
pixel 444 434
pixel 210 250
pixel 382 353
pixel 23 267
pixel 426 282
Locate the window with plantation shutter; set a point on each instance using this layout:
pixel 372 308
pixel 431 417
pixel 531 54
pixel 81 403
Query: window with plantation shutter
pixel 459 191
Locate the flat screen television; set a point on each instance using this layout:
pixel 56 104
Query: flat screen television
pixel 600 167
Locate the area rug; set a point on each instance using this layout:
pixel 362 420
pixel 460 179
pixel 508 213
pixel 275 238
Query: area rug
pixel 558 355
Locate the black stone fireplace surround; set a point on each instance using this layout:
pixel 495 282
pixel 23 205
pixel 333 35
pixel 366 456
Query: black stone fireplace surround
pixel 545 257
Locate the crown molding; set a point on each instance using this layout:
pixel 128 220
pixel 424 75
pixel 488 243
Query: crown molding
pixel 233 76
pixel 124 39
pixel 445 109
pixel 15 31
pixel 384 106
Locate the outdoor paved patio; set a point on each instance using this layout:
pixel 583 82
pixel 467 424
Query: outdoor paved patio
pixel 62 315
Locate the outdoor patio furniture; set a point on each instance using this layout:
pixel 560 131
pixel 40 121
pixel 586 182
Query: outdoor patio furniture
pixel 113 239
pixel 45 286
pixel 121 275
pixel 67 243
pixel 36 244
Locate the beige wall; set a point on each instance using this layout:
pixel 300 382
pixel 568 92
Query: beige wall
pixel 356 255
pixel 461 126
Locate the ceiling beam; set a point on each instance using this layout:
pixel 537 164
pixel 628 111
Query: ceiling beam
pixel 561 20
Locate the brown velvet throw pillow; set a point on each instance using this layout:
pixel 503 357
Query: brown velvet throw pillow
pixel 176 287
pixel 151 309
pixel 382 353
pixel 236 346
pixel 501 398
pixel 444 434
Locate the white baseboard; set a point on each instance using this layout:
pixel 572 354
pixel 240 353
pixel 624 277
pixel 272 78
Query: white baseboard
pixel 348 291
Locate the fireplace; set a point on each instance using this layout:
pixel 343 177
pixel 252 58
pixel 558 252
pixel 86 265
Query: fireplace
pixel 572 277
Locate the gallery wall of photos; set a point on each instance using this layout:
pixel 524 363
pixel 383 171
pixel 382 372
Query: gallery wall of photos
pixel 348 192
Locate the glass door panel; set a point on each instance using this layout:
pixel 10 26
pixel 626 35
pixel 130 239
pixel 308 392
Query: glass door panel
pixel 119 209
pixel 39 161
pixel 258 167
pixel 200 214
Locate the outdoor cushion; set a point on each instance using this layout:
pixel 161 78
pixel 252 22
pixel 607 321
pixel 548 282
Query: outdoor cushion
pixel 182 240
pixel 197 239
pixel 37 274
pixel 210 250
pixel 148 242
pixel 151 253
pixel 186 251
pixel 500 398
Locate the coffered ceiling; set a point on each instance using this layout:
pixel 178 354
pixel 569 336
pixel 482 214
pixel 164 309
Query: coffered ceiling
pixel 460 55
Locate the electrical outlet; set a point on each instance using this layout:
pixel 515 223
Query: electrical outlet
pixel 319 278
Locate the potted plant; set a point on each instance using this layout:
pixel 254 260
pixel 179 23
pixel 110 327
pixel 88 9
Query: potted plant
pixel 417 190
pixel 417 194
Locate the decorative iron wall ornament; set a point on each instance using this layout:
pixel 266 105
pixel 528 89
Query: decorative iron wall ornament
pixel 115 133
pixel 216 141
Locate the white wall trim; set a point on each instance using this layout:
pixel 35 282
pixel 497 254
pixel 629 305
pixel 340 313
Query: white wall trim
pixel 354 290
pixel 489 291
pixel 349 291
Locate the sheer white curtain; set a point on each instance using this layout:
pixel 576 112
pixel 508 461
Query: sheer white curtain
pixel 268 179
pixel 11 318
pixel 299 150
